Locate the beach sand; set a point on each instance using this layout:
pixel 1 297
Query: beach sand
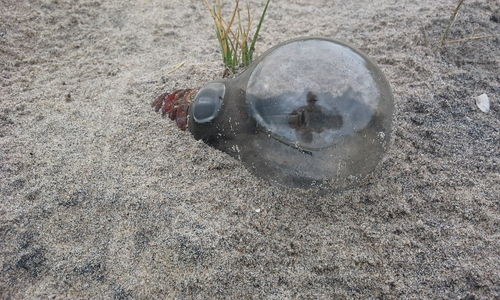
pixel 102 198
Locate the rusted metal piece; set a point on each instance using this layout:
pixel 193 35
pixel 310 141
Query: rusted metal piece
pixel 175 105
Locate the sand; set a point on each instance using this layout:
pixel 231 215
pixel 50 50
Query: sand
pixel 102 198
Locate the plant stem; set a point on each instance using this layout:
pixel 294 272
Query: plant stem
pixel 470 38
pixel 450 23
pixel 256 35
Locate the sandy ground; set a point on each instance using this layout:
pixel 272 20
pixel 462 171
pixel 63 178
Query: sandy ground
pixel 102 198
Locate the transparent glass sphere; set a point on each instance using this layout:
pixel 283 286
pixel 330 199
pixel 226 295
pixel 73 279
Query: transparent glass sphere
pixel 308 112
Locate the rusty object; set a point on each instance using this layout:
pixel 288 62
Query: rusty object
pixel 175 105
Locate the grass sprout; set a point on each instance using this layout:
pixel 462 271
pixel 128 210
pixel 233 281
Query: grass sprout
pixel 471 38
pixel 443 39
pixel 453 16
pixel 236 43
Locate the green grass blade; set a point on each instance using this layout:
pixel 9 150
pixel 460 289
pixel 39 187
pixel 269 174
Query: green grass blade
pixel 236 47
pixel 256 35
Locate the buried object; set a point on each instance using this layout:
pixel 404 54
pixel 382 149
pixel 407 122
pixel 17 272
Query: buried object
pixel 308 111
